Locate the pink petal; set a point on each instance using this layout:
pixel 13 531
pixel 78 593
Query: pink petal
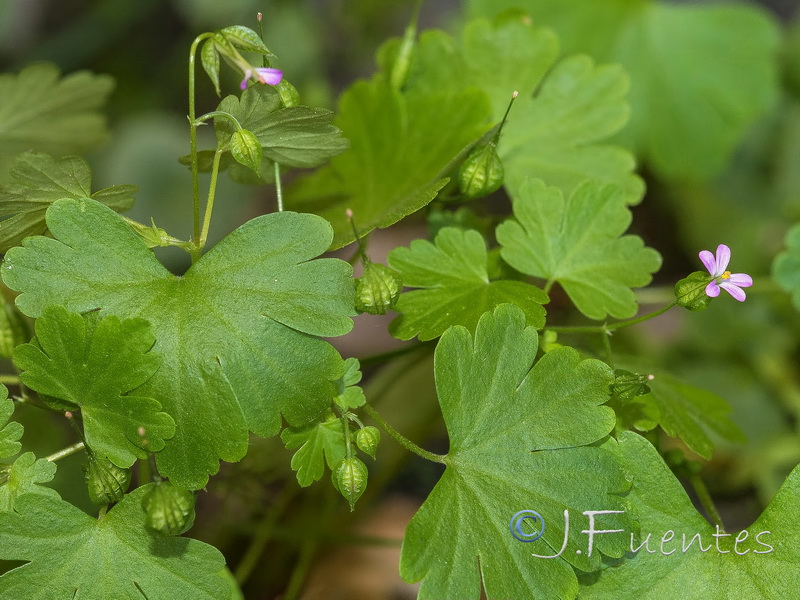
pixel 247 74
pixel 712 289
pixel 269 76
pixel 723 258
pixel 741 279
pixel 733 290
pixel 709 261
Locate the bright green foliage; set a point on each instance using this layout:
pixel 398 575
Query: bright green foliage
pixel 93 366
pixel 13 329
pixel 40 180
pixel 297 137
pixel 564 112
pixel 24 476
pixel 700 74
pixel 403 146
pixel 786 267
pixel 456 286
pixel 350 395
pixel 576 242
pixel 10 432
pixel 237 332
pixel 73 555
pixel 687 412
pixel 517 441
pixel 41 111
pixel 756 567
pixel 169 509
pixel 481 173
pixel 319 442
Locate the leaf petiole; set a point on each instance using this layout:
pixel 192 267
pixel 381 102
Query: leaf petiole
pixel 401 439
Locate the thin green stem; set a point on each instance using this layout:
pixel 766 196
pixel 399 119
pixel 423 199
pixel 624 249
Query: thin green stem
pixel 278 186
pixel 401 439
pixel 705 499
pixel 300 572
pixel 264 532
pixel 606 336
pixel 548 286
pixel 193 138
pixel 64 452
pixel 9 379
pixel 212 190
pixel 607 328
pixel 219 113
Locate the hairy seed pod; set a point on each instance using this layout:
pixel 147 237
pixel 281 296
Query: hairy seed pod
pixel 367 440
pixel 170 509
pixel 107 483
pixel 350 479
pixel 378 289
pixel 481 173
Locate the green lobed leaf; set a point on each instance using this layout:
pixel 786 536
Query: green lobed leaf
pixel 318 443
pixel 565 110
pixel 72 555
pixel 298 136
pixel 40 110
pixel 456 289
pixel 403 146
pixel 350 394
pixel 786 266
pixel 576 242
pixel 11 431
pixel 518 440
pixel 40 180
pixel 701 75
pixel 24 477
pixel 237 332
pixel 95 366
pixel 689 413
pixel 756 567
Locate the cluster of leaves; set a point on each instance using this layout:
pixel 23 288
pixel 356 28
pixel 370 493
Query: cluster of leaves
pixel 183 368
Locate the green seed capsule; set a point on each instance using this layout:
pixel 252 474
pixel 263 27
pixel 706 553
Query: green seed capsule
pixel 367 440
pixel 288 93
pixel 350 479
pixel 246 149
pixel 107 483
pixel 690 292
pixel 481 173
pixel 170 509
pixel 627 385
pixel 378 289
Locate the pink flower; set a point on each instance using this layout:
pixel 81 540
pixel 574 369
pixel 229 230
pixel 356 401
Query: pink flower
pixel 263 75
pixel 730 282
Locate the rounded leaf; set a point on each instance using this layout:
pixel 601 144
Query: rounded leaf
pixel 210 61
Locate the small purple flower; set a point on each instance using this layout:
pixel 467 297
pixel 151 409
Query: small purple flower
pixel 730 282
pixel 263 75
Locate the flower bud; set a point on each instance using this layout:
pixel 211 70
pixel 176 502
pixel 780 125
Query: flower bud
pixel 481 173
pixel 169 508
pixel 107 483
pixel 378 289
pixel 690 292
pixel 367 440
pixel 350 479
